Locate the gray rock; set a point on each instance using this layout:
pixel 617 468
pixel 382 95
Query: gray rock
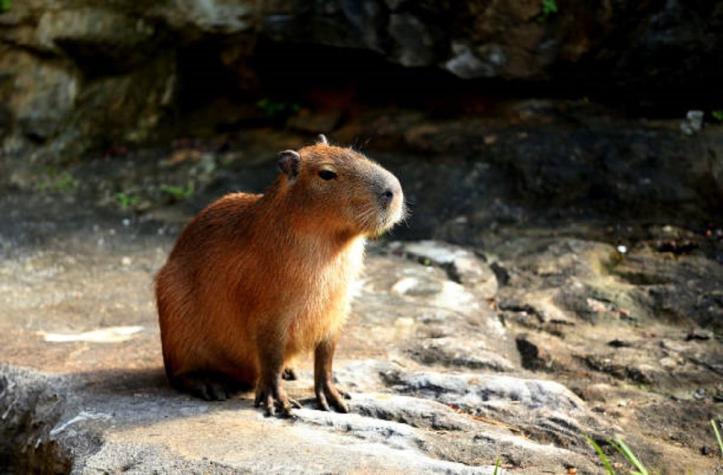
pixel 42 94
pixel 207 16
pixel 545 409
pixel 467 65
pixel 477 390
pixel 415 41
pixel 461 264
pixel 95 34
pixel 459 352
pixel 415 412
pixel 693 122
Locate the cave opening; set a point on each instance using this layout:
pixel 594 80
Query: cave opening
pixel 273 80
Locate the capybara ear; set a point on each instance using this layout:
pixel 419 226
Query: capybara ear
pixel 289 161
pixel 322 139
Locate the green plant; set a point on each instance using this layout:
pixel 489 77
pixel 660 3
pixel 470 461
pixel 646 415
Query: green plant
pixel 497 467
pixel 126 200
pixel 65 182
pixel 58 182
pixel 276 109
pixel 601 455
pixel 619 445
pixel 624 450
pixel 5 5
pixel 717 436
pixel 718 115
pixel 178 193
pixel 549 7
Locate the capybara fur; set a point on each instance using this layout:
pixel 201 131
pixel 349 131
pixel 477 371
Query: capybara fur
pixel 254 279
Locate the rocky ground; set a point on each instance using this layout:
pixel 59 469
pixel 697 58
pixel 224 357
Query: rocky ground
pixel 561 275
pixel 541 330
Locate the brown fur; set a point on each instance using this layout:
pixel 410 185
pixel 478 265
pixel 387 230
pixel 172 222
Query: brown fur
pixel 254 280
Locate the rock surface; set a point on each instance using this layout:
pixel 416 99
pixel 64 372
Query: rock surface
pixel 82 73
pixel 514 347
pixel 560 275
pixel 560 159
pixel 78 391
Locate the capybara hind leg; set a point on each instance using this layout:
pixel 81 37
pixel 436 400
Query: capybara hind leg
pixel 208 385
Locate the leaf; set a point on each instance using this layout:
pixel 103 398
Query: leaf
pixel 178 192
pixel 126 200
pixel 717 436
pixel 623 448
pixel 601 455
pixel 549 7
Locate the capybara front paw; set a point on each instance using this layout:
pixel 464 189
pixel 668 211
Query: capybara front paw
pixel 327 394
pixel 272 397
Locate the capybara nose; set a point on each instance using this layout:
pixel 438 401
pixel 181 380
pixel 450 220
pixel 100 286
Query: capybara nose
pixel 386 197
pixel 388 189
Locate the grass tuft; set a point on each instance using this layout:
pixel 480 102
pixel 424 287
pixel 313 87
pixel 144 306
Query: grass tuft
pixel 627 452
pixel 549 7
pixel 59 182
pixel 179 193
pixel 126 200
pixel 601 455
pixel 717 436
pixel 497 467
pixel 277 109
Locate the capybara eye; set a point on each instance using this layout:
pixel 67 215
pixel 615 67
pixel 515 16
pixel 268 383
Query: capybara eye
pixel 327 175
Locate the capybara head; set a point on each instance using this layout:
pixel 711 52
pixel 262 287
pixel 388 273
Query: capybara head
pixel 339 189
